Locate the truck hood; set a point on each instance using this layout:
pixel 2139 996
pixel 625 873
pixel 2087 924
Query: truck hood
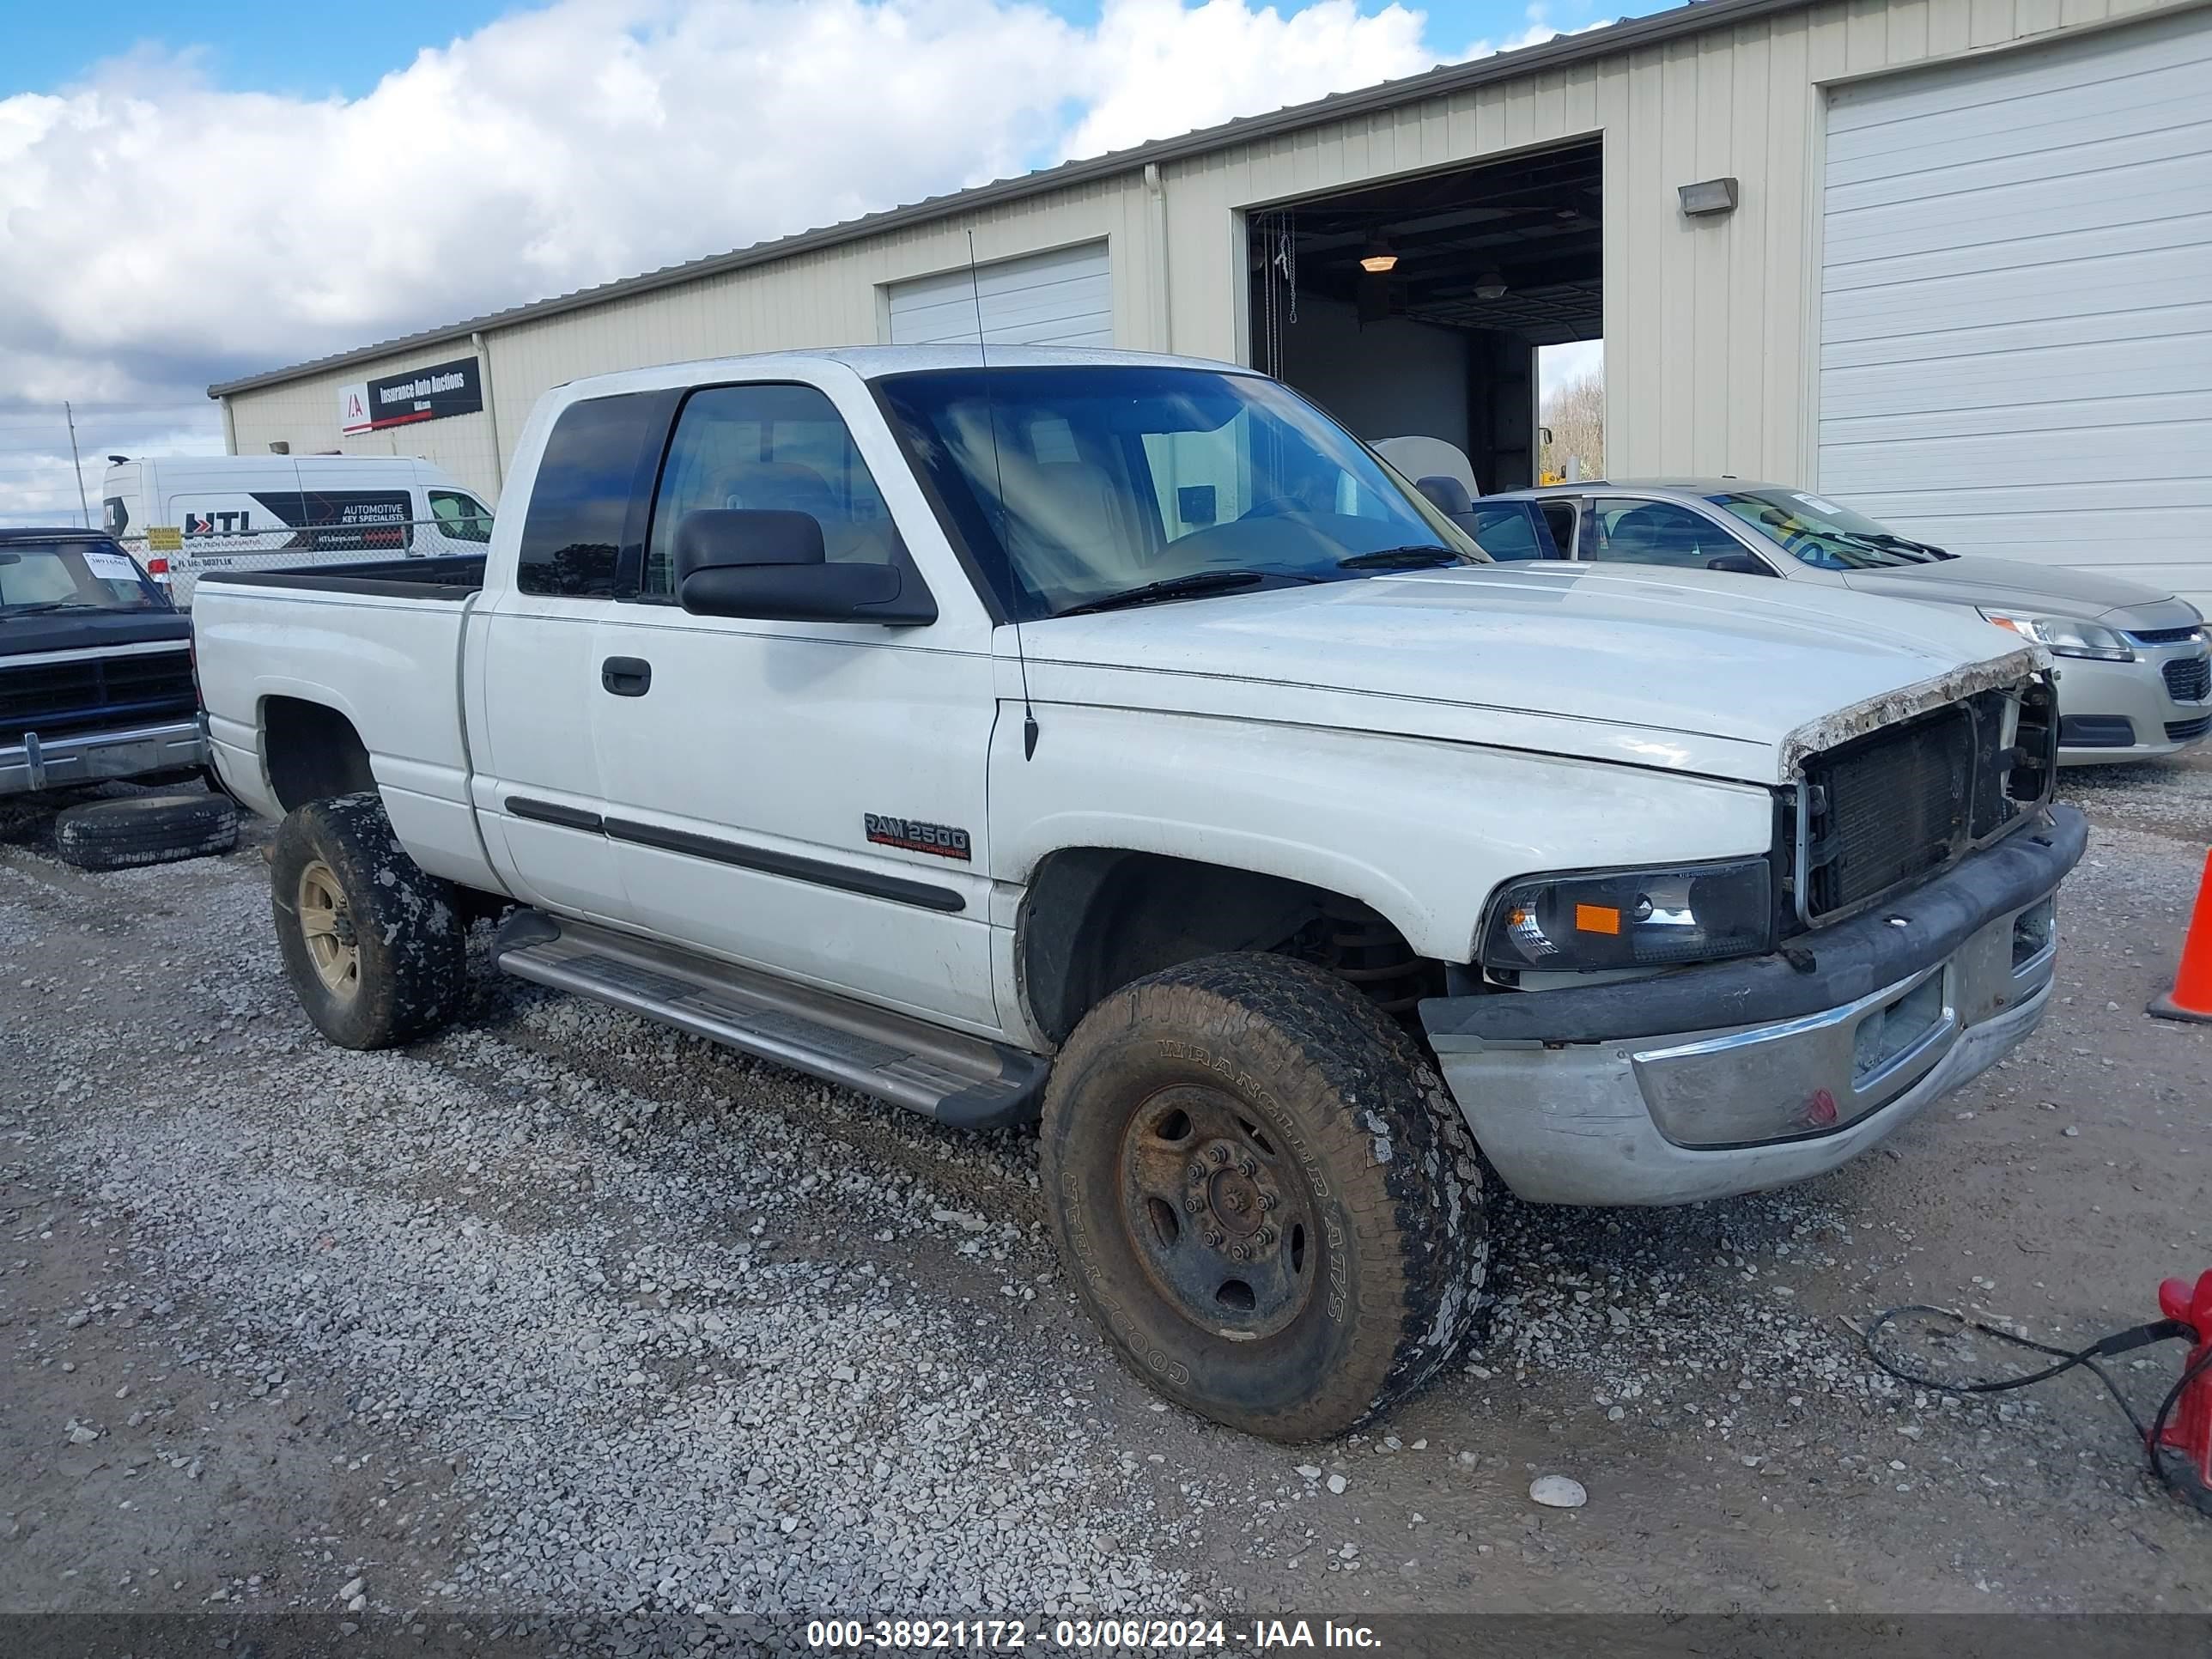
pixel 86 630
pixel 2014 584
pixel 1725 676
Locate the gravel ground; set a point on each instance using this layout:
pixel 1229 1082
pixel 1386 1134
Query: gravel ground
pixel 563 1316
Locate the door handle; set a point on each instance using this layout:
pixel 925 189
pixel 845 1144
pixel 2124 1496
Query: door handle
pixel 626 676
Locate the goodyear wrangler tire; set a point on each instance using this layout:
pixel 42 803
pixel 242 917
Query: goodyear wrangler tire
pixel 1263 1195
pixel 374 948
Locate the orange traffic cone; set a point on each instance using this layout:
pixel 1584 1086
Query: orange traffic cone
pixel 2191 995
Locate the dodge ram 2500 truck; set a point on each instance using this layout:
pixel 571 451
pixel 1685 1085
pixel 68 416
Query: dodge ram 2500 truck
pixel 1114 739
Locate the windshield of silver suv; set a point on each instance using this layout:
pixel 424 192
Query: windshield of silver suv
pixel 1089 488
pixel 1822 534
pixel 92 574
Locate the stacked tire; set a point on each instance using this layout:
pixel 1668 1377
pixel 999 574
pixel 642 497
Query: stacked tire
pixel 126 833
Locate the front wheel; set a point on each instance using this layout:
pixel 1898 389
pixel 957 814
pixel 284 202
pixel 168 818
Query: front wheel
pixel 1263 1195
pixel 374 947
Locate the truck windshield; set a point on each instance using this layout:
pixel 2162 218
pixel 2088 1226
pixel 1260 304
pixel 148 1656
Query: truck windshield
pixel 92 574
pixel 1091 485
pixel 1822 534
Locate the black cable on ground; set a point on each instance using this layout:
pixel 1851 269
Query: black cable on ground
pixel 2120 1342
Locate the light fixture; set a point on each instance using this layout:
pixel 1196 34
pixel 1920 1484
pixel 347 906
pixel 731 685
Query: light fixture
pixel 1491 285
pixel 1707 196
pixel 1380 257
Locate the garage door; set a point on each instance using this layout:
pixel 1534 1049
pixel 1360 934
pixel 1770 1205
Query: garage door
pixel 2016 337
pixel 1062 298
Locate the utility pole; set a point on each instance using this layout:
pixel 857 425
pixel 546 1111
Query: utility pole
pixel 83 512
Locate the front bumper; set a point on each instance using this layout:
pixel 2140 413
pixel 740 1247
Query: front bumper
pixel 1741 1076
pixel 39 763
pixel 2124 711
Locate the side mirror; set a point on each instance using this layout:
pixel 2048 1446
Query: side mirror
pixel 770 566
pixel 1740 564
pixel 1447 495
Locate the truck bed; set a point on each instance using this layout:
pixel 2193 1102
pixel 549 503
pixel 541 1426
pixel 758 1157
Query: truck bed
pixel 400 579
pixel 378 644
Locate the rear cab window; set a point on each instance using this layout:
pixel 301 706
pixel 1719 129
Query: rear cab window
pixel 586 505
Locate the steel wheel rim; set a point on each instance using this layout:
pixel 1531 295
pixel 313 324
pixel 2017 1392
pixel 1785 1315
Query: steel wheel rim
pixel 326 924
pixel 1220 1218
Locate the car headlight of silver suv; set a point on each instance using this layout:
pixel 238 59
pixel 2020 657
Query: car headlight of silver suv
pixel 2064 638
pixel 1616 919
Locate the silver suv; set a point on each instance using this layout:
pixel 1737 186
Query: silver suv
pixel 2135 680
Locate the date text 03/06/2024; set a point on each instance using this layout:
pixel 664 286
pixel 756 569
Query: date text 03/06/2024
pixel 1165 1635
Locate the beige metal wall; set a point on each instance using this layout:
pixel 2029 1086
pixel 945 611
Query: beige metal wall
pixel 304 414
pixel 1713 329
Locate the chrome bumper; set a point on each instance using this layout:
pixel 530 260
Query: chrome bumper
pixel 1674 1116
pixel 39 763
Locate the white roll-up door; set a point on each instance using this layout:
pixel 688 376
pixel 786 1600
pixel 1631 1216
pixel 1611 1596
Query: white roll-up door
pixel 1063 298
pixel 2016 319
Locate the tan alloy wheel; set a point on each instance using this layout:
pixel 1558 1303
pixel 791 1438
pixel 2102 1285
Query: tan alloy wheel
pixel 328 927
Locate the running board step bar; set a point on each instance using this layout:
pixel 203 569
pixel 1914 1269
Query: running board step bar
pixel 964 1081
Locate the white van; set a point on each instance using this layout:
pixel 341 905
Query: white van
pixel 183 514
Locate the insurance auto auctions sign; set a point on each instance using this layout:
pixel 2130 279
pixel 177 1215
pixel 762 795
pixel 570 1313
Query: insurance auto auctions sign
pixel 425 394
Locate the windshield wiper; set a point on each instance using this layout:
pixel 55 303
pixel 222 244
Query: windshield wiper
pixel 1886 539
pixel 1171 587
pixel 46 605
pixel 1399 558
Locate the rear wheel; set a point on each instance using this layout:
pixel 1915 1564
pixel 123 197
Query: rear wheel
pixel 374 947
pixel 1263 1195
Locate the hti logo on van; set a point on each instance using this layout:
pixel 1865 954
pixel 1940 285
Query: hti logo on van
pixel 218 524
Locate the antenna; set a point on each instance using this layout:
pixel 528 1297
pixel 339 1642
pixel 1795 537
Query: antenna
pixel 998 482
pixel 76 466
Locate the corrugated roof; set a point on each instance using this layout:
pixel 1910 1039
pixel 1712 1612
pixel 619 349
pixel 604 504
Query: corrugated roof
pixel 1557 52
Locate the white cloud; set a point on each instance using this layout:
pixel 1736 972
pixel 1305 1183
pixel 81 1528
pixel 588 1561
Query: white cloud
pixel 1155 68
pixel 160 233
pixel 1562 365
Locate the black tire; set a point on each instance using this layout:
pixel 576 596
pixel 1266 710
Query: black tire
pixel 1314 1101
pixel 137 830
pixel 379 957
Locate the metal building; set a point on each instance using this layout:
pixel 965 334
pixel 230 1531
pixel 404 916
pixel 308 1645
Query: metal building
pixel 1951 260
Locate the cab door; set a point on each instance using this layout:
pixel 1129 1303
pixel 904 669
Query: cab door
pixel 536 651
pixel 804 797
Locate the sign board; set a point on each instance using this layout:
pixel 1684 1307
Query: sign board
pixel 423 394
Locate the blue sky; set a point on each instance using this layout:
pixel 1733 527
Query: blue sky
pixel 313 51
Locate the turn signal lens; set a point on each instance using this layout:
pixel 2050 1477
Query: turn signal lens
pixel 1632 918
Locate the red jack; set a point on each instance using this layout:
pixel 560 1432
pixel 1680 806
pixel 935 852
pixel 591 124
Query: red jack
pixel 2184 1445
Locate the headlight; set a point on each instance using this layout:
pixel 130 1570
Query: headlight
pixel 1631 918
pixel 2064 638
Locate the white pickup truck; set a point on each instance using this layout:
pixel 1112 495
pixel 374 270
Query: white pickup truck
pixel 1114 738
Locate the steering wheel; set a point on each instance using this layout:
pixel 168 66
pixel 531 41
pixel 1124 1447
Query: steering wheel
pixel 1272 506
